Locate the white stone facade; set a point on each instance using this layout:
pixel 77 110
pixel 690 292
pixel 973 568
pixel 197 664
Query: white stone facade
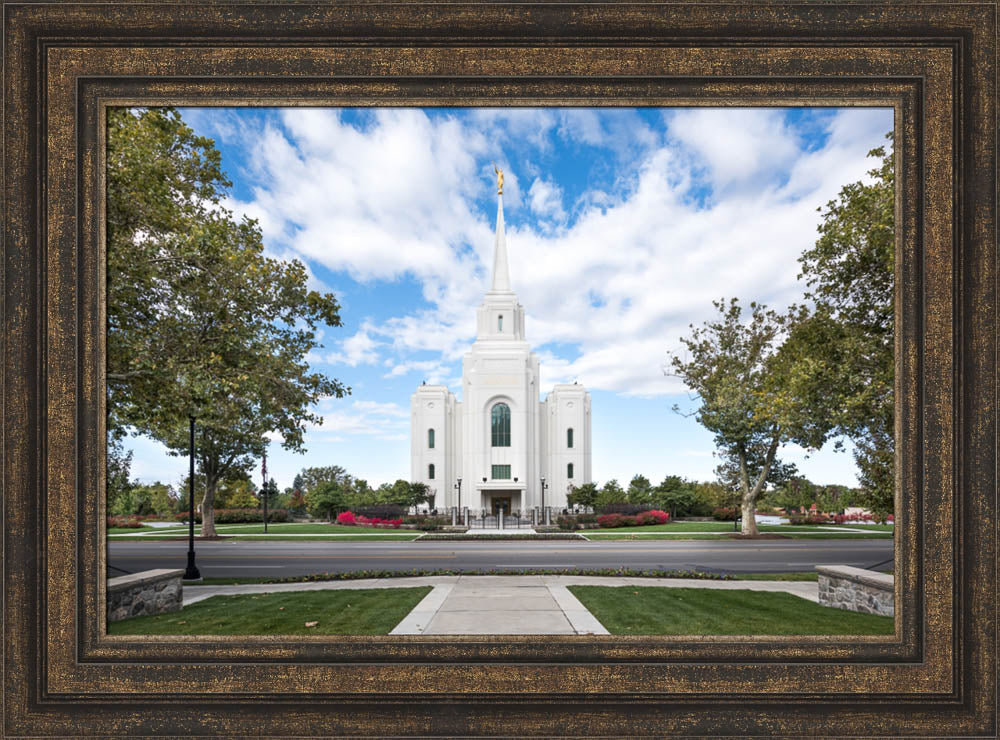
pixel 500 462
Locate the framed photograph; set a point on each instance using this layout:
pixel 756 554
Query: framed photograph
pixel 70 68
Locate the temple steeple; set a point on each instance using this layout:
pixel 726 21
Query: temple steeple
pixel 500 317
pixel 501 274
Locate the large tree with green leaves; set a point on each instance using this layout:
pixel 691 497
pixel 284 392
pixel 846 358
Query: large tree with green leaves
pixel 850 274
pixel 201 323
pixel 756 390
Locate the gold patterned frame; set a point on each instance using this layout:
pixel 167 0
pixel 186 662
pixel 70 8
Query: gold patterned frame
pixel 64 64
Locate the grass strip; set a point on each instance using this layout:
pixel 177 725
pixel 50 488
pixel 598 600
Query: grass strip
pixel 278 538
pixel 614 535
pixel 614 572
pixel 345 612
pixel 652 610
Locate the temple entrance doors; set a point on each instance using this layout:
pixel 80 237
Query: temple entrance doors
pixel 497 501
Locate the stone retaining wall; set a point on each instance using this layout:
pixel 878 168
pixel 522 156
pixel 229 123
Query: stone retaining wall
pixel 148 592
pixel 856 589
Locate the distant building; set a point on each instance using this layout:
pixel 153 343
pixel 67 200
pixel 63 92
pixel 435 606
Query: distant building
pixel 500 439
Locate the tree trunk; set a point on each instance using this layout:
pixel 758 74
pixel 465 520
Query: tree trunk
pixel 750 496
pixel 748 499
pixel 208 509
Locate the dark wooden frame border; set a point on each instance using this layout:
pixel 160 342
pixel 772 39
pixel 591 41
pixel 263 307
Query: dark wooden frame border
pixel 935 64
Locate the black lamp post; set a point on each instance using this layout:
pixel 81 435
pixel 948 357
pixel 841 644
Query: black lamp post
pixel 264 490
pixel 544 486
pixel 458 486
pixel 191 573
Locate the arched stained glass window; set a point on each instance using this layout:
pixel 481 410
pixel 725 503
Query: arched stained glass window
pixel 569 470
pixel 500 422
pixel 430 471
pixel 430 438
pixel 569 437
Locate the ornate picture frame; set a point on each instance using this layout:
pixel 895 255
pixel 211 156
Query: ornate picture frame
pixel 66 63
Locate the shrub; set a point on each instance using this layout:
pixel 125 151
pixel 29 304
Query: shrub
pixel 379 522
pixel 587 518
pixel 380 511
pixel 239 516
pixel 346 518
pixel 622 508
pixel 125 521
pixel 567 522
pixel 814 519
pixel 653 516
pixel 724 513
pixel 611 521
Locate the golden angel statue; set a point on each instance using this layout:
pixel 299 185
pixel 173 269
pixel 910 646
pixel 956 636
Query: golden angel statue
pixel 499 179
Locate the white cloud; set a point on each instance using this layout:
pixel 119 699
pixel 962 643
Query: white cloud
pixel 356 350
pixel 719 206
pixel 380 420
pixel 545 200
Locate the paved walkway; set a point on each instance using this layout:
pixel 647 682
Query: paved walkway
pixel 496 605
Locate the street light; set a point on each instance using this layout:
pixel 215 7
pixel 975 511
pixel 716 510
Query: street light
pixel 544 486
pixel 264 490
pixel 191 573
pixel 458 486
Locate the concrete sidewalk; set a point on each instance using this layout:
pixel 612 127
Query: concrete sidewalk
pixel 496 605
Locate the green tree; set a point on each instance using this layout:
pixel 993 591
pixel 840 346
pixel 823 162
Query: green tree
pixel 676 495
pixel 850 274
pixel 242 497
pixel 417 494
pixel 583 495
pixel 640 490
pixel 793 493
pixel 120 484
pixel 326 498
pixel 156 498
pixel 610 493
pixel 756 392
pixel 200 322
pixel 310 478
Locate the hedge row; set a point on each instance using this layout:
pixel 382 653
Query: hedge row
pixel 239 516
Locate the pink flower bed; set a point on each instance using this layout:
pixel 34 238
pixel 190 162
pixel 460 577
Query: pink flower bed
pixel 348 518
pixel 653 516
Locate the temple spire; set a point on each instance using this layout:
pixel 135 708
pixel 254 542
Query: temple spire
pixel 501 275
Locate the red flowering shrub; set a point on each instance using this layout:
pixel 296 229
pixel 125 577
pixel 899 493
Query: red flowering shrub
pixel 891 518
pixel 609 521
pixel 372 521
pixel 346 517
pixel 653 516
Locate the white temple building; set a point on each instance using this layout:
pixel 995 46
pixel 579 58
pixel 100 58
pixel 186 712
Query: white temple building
pixel 500 441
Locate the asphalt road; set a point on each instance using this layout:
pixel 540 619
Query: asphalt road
pixel 276 559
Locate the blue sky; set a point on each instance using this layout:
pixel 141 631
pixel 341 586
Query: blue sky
pixel 622 226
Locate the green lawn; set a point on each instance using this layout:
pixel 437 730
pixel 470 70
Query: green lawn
pixel 337 612
pixel 798 576
pixel 623 534
pixel 273 531
pixel 286 538
pixel 728 527
pixel 652 610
